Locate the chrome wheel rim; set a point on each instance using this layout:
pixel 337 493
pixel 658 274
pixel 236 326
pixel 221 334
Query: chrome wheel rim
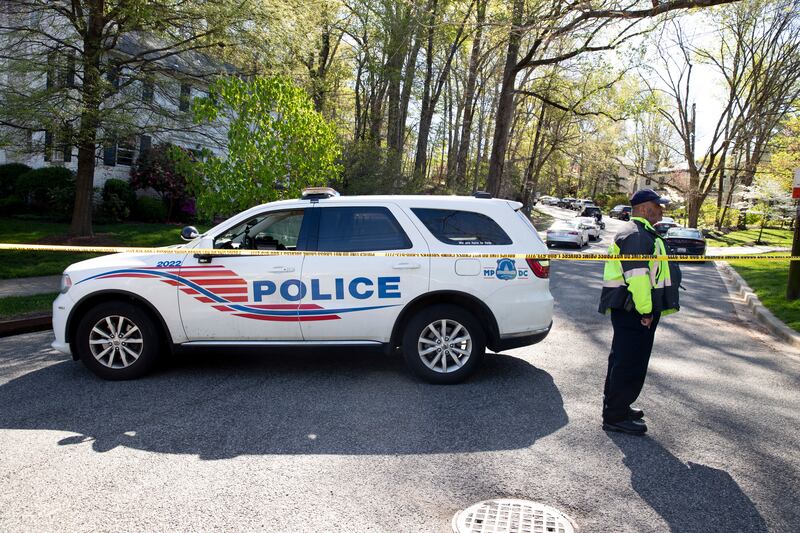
pixel 444 346
pixel 116 342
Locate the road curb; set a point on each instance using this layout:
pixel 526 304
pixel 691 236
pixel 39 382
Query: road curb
pixel 739 288
pixel 26 325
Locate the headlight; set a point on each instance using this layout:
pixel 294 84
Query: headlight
pixel 66 283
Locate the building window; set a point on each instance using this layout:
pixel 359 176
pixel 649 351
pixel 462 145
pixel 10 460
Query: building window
pixel 48 145
pixel 186 91
pixel 145 143
pixel 112 75
pixel 126 149
pixel 148 90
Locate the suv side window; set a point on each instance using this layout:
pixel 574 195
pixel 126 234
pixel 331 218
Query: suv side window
pixel 462 227
pixel 360 229
pixel 274 230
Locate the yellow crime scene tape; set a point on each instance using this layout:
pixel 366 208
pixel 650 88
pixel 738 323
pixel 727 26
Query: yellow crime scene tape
pixel 468 255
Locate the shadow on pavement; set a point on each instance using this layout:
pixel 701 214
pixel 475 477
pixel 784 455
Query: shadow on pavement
pixel 689 497
pixel 230 404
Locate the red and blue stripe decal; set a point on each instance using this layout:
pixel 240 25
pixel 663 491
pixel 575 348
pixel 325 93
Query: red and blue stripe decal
pixel 226 291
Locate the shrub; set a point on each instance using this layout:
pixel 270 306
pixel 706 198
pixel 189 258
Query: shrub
pixel 156 169
pixel 118 200
pixel 12 205
pixel 9 174
pixel 149 209
pixel 366 171
pixel 50 190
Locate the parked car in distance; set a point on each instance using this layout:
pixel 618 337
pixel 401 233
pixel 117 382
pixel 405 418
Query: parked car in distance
pixel 685 241
pixel 596 213
pixel 579 205
pixel 591 225
pixel 621 212
pixel 549 200
pixel 566 202
pixel 567 232
pixel 665 224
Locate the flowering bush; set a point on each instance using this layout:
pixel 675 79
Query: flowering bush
pixel 155 169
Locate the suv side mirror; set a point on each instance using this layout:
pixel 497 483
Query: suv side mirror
pixel 189 233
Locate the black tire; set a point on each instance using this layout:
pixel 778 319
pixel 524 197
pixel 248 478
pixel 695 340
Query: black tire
pixel 145 341
pixel 452 314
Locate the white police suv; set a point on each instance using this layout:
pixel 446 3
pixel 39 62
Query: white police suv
pixel 119 313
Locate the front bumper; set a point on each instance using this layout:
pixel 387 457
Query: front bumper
pixel 61 308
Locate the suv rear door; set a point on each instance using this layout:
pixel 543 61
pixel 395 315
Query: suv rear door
pixel 356 298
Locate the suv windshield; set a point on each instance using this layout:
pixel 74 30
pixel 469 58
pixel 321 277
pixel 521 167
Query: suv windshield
pixel 275 230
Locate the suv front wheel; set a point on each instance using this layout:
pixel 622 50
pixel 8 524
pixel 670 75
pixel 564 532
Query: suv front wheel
pixel 117 340
pixel 443 344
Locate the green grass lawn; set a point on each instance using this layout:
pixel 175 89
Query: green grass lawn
pixel 771 237
pixel 25 264
pixel 19 306
pixel 768 279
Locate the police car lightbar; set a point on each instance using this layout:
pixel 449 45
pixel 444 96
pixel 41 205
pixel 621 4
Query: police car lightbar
pixel 314 193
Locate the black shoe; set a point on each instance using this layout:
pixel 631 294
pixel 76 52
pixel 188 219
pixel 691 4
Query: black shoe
pixel 635 414
pixel 631 427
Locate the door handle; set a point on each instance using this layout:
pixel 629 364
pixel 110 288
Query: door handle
pixel 405 266
pixel 280 269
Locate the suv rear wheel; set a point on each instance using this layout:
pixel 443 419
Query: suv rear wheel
pixel 117 341
pixel 443 344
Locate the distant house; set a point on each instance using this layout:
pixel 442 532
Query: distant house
pixel 153 105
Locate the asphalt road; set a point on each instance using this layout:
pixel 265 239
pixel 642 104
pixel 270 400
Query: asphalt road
pixel 337 441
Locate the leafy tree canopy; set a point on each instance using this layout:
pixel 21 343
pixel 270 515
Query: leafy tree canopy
pixel 277 145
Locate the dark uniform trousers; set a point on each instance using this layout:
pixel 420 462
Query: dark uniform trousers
pixel 627 362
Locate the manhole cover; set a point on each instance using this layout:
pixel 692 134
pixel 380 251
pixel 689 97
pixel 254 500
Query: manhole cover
pixel 511 516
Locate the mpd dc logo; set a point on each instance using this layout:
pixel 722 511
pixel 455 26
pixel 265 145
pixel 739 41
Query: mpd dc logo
pixel 506 269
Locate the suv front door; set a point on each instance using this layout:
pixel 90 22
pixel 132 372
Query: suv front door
pixel 359 298
pixel 247 297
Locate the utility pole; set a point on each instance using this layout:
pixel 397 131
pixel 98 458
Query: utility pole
pixel 793 287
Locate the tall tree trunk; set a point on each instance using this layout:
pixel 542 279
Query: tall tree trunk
pixel 505 106
pixel 469 96
pixel 408 85
pixel 420 159
pixel 89 121
pixel 393 72
pixel 527 186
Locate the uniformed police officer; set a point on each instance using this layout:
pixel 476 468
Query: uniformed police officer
pixel 636 294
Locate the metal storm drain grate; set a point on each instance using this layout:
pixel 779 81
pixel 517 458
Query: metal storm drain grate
pixel 511 516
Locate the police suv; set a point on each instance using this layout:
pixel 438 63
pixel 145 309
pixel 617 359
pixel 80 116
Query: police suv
pixel 119 312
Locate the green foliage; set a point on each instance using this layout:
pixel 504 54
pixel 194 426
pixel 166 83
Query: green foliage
pixel 118 200
pixel 48 190
pixel 12 205
pixel 608 201
pixel 277 145
pixel 148 209
pixel 156 169
pixel 9 174
pixel 366 171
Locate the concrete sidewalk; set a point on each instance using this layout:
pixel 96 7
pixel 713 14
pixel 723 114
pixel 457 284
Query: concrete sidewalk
pixel 29 286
